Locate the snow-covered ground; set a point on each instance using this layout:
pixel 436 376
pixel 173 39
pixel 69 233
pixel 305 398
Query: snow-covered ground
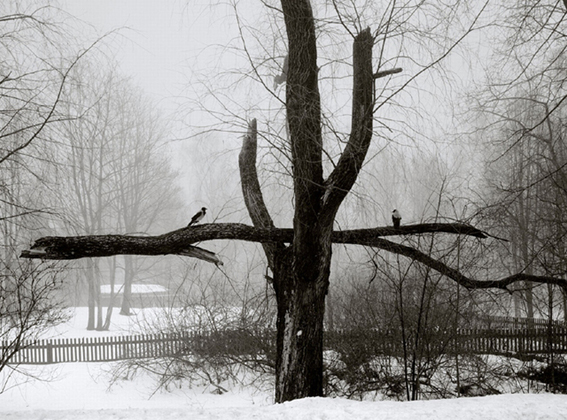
pixel 80 391
pixel 83 391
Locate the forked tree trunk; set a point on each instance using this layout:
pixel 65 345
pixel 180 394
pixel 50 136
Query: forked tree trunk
pixel 302 270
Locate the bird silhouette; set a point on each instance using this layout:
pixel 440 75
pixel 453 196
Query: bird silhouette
pixel 396 218
pixel 198 216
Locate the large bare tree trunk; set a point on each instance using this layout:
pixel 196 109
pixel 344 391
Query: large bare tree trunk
pixel 300 293
pixel 301 271
pixel 302 282
pixel 301 309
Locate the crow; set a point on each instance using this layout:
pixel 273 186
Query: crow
pixel 396 218
pixel 198 216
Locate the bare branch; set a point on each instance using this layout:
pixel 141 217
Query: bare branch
pixel 366 236
pixel 341 180
pixel 456 275
pixel 384 73
pixel 48 118
pixel 75 247
pixel 251 191
pixel 179 241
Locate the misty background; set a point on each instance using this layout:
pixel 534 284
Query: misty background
pixel 153 98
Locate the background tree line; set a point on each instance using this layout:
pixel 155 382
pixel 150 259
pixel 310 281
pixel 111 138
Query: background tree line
pixel 81 150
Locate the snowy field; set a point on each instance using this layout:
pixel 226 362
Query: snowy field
pixel 83 391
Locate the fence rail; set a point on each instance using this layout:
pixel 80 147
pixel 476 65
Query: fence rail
pixel 99 349
pixel 102 349
pixel 513 322
pixel 538 340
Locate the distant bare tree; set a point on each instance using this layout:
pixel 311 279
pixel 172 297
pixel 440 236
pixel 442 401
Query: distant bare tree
pixel 523 111
pixel 37 58
pixel 116 175
pixel 30 302
pixel 145 190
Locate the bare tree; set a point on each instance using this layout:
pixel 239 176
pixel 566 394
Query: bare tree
pixel 37 60
pixel 116 175
pixel 522 109
pixel 30 303
pixel 145 191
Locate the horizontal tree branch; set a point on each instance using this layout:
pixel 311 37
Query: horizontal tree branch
pixel 179 242
pixel 359 235
pixel 174 242
pixel 75 247
pixel 456 275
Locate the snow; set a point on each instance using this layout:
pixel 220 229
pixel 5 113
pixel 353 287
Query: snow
pixel 80 391
pixel 138 321
pixel 83 391
pixel 120 325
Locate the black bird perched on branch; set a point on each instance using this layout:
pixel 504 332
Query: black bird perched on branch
pixel 396 218
pixel 198 216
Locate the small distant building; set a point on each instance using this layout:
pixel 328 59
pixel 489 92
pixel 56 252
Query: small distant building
pixel 143 295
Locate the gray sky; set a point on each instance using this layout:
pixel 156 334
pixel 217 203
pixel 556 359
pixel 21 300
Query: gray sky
pixel 159 44
pixel 162 43
pixel 158 39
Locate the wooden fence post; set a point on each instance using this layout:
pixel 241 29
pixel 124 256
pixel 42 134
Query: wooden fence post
pixel 49 348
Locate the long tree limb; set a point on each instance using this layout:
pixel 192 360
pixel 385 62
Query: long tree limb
pixel 179 242
pixel 175 242
pixel 75 247
pixel 456 275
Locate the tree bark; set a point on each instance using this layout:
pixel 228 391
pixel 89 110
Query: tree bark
pixel 301 308
pixel 127 292
pixel 112 296
pixel 91 299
